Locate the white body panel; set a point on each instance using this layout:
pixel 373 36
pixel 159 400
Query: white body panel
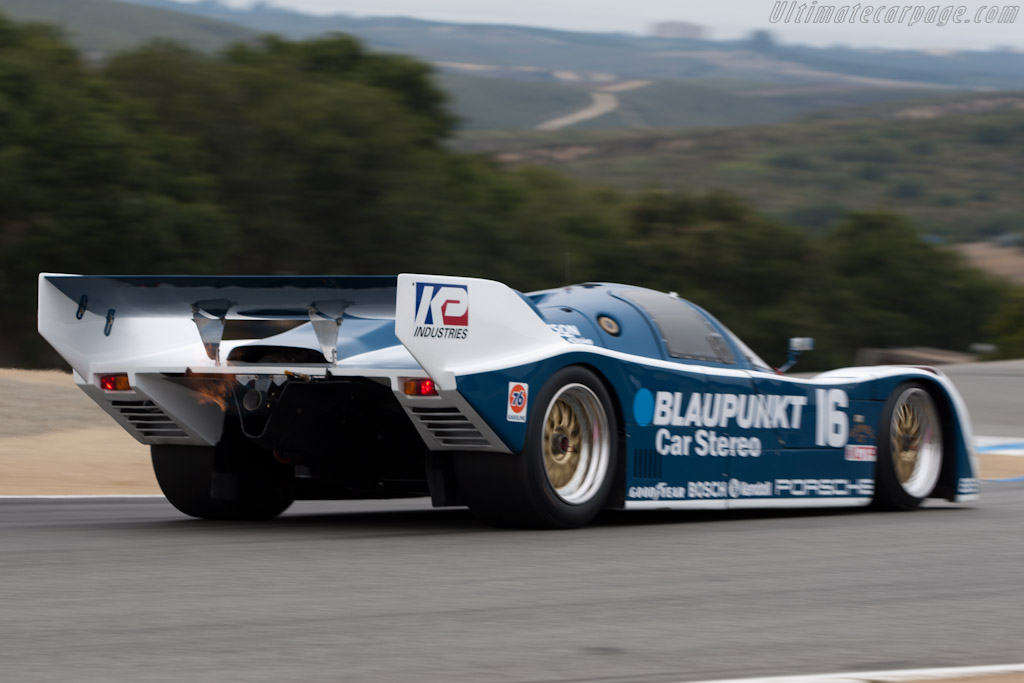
pixel 503 330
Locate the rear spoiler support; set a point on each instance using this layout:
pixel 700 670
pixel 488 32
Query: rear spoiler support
pixel 211 330
pixel 327 327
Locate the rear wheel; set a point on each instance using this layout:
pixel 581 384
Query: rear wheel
pixel 565 472
pixel 910 449
pixel 232 480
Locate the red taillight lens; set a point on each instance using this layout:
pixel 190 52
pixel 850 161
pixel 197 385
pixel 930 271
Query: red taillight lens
pixel 420 387
pixel 117 382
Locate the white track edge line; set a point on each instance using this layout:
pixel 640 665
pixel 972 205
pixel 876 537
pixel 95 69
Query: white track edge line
pixel 102 496
pixel 894 675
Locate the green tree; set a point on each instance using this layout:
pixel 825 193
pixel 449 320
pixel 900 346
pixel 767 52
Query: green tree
pixel 86 184
pixel 313 145
pixel 1006 328
pixel 893 289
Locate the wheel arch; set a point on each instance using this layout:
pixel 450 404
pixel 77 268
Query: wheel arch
pixel 946 486
pixel 958 479
pixel 514 489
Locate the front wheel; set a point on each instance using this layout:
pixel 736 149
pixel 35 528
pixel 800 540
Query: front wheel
pixel 910 449
pixel 564 474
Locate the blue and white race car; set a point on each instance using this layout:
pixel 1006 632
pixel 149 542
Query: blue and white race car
pixel 535 409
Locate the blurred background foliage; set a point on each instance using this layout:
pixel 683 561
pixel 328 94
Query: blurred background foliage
pixel 320 156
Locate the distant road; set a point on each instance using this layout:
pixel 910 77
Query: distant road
pixel 603 101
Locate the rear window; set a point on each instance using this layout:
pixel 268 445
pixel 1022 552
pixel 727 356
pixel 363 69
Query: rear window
pixel 686 333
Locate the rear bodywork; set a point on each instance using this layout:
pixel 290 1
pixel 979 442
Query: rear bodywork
pixel 315 369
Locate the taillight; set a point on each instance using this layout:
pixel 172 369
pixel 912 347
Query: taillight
pixel 118 382
pixel 420 387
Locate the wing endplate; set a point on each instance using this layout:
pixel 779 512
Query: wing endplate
pixel 457 325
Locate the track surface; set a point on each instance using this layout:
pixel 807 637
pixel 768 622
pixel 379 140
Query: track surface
pixel 129 590
pixel 994 393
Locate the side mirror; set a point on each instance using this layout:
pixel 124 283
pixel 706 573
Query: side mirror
pixel 796 346
pixel 799 344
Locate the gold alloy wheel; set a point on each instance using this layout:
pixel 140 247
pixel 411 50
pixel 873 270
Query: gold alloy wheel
pixel 562 439
pixel 576 444
pixel 915 442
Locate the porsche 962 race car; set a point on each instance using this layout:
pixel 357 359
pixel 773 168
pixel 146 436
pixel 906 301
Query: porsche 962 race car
pixel 532 409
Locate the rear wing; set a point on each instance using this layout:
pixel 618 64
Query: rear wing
pixel 458 325
pixel 160 320
pixel 451 325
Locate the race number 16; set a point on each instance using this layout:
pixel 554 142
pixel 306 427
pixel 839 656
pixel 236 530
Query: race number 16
pixel 833 426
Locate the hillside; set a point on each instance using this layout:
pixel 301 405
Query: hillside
pixel 702 103
pixel 99 27
pixel 528 52
pixel 952 165
pixel 502 76
pixel 325 156
pixel 512 77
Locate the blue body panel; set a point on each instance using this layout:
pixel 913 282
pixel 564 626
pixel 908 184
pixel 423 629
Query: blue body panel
pixel 711 434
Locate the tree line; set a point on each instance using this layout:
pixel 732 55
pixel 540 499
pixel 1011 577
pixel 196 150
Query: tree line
pixel 321 156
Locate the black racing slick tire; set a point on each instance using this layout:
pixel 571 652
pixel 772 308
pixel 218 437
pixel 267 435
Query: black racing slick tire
pixel 910 448
pixel 566 470
pixel 232 481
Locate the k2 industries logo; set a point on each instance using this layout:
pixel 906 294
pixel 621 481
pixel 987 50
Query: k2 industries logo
pixel 442 311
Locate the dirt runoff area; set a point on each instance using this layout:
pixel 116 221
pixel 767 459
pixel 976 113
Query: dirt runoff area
pixel 56 441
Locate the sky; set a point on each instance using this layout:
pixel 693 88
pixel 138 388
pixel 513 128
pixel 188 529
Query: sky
pixel 724 18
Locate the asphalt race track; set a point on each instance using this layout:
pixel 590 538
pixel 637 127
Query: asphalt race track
pixel 130 590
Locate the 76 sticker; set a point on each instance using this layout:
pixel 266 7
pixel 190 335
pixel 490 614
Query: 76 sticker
pixel 518 393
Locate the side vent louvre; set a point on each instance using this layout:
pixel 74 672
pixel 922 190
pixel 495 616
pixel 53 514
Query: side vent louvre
pixel 646 463
pixel 148 420
pixel 449 426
